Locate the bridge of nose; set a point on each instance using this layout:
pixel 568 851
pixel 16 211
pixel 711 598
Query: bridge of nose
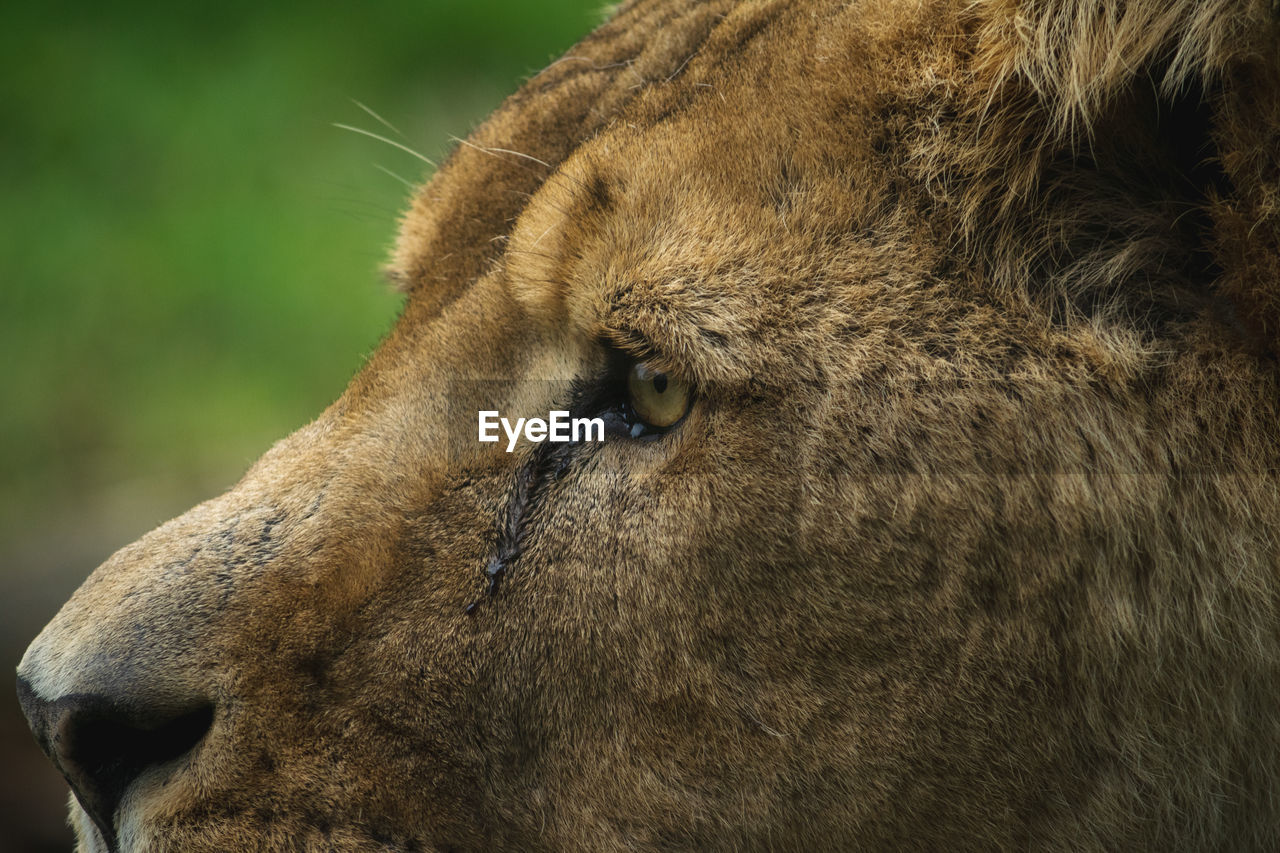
pixel 158 617
pixel 147 622
pixel 143 618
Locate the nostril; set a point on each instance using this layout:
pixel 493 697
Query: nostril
pixel 101 746
pixel 110 751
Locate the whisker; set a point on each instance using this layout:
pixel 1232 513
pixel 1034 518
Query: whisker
pixel 543 255
pixel 594 67
pixel 543 234
pixel 378 118
pixel 676 73
pixel 495 152
pixel 525 156
pixel 391 142
pixel 387 171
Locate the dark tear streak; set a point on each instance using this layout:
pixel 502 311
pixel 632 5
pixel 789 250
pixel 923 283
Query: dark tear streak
pixel 546 466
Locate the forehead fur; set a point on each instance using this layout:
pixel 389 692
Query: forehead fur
pixel 903 145
pixel 673 253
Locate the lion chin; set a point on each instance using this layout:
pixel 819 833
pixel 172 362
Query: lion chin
pixel 931 352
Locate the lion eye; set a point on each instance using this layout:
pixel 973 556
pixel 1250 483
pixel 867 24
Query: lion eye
pixel 658 400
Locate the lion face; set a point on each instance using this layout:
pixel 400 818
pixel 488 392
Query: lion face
pixel 935 505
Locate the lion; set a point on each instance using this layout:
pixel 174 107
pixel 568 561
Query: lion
pixel 935 507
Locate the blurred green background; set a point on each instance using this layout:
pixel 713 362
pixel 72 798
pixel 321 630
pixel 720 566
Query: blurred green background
pixel 189 258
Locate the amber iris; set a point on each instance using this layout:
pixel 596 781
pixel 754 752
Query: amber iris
pixel 658 399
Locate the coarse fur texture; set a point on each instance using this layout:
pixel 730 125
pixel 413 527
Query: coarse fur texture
pixel 968 542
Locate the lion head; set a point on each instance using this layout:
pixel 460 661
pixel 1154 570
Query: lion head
pixel 934 503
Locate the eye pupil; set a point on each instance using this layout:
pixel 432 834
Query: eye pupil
pixel 656 400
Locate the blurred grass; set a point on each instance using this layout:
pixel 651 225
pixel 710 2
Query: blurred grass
pixel 189 250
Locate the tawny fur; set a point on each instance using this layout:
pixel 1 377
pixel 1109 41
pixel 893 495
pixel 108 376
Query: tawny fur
pixel 971 540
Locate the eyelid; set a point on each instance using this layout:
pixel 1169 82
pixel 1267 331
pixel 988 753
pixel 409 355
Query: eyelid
pixel 627 348
pixel 646 371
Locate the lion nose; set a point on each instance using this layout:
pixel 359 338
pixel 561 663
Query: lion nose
pixel 103 743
